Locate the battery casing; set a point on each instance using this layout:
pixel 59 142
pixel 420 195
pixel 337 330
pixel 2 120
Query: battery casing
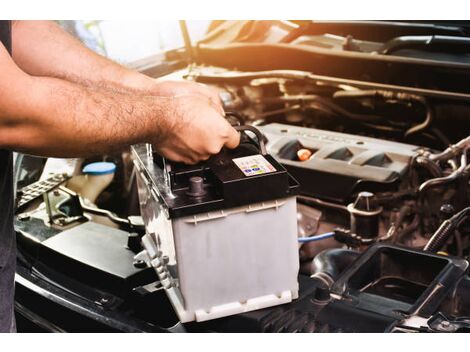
pixel 219 262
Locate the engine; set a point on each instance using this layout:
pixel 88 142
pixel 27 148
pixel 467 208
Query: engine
pixel 382 177
pixel 373 165
pixel 383 211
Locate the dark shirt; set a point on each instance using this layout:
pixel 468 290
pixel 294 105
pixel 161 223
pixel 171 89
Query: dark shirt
pixel 7 239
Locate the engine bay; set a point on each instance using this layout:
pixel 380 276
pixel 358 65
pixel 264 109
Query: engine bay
pixel 382 213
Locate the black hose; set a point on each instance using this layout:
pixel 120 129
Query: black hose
pixel 330 263
pixel 395 96
pixel 427 120
pixel 245 77
pixel 315 201
pixel 332 107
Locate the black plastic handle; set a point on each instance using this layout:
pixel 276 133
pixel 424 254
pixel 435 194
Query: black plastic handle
pixel 239 127
pixel 259 136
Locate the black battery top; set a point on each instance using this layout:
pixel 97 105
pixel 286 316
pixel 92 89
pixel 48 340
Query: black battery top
pixel 234 177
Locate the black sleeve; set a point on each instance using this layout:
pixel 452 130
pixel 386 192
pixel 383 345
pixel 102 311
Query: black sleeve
pixel 5 34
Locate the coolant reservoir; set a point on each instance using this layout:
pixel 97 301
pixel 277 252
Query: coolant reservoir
pixel 95 178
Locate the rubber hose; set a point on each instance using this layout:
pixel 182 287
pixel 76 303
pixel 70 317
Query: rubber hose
pixel 332 262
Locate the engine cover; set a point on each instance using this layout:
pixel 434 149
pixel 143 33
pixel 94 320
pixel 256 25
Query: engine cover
pixel 341 164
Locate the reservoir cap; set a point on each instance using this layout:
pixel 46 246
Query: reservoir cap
pixel 99 168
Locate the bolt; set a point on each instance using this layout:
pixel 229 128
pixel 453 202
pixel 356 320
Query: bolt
pixel 140 264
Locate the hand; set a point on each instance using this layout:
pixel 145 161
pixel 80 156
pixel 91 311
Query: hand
pixel 195 130
pixel 183 88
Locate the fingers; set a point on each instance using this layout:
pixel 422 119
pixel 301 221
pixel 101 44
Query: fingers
pixel 233 139
pixel 201 130
pixel 183 156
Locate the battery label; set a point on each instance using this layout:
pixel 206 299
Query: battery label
pixel 254 165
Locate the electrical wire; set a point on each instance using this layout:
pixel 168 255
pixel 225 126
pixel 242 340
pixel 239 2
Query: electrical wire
pixel 315 238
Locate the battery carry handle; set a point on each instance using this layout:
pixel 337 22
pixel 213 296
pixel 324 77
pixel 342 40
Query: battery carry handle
pixel 259 136
pixel 236 123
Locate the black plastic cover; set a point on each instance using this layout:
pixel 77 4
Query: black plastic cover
pixel 393 281
pixel 225 185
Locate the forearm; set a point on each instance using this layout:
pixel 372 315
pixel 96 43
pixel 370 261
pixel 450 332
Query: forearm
pixel 63 119
pixel 43 112
pixel 42 48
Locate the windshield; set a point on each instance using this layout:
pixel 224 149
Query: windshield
pixel 128 41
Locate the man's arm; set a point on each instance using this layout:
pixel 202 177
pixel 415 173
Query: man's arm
pixel 54 117
pixel 42 48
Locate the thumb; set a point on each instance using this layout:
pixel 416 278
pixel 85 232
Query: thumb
pixel 233 139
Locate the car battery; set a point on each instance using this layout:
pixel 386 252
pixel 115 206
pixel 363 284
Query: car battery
pixel 222 234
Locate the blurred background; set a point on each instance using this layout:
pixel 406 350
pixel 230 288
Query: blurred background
pixel 128 41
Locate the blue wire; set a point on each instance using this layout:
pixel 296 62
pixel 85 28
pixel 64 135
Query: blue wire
pixel 323 236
